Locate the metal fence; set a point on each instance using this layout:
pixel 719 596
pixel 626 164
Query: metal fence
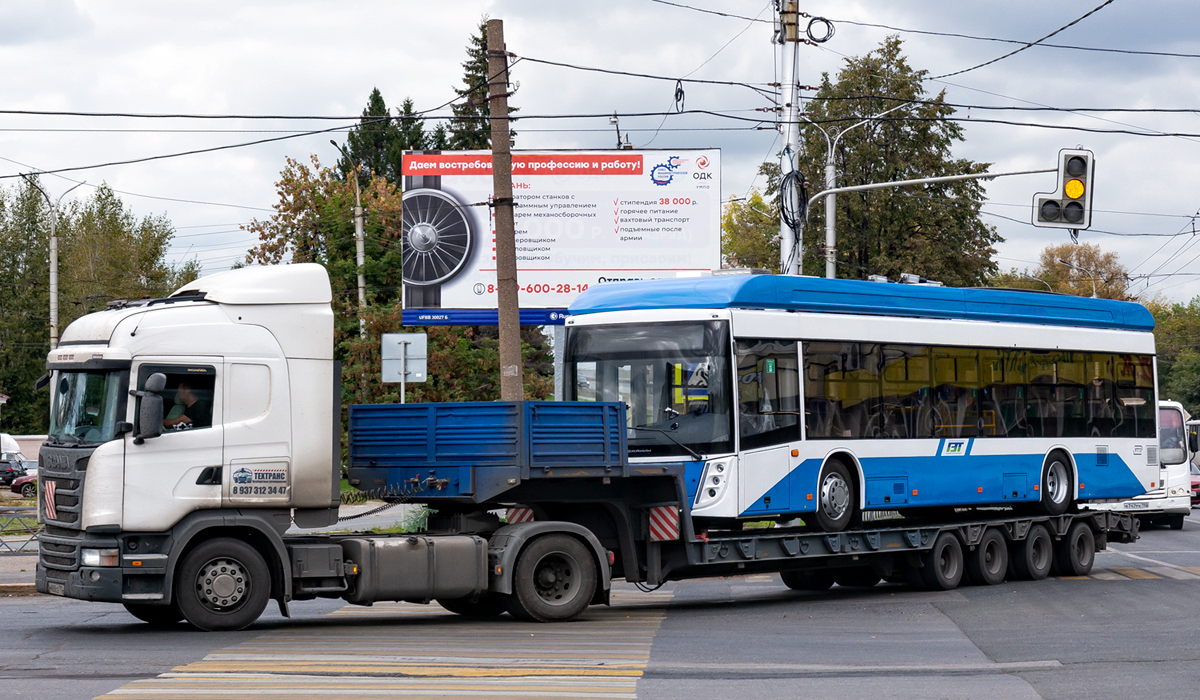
pixel 19 530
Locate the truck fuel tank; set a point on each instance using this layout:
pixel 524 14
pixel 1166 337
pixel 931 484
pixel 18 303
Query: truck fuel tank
pixel 416 568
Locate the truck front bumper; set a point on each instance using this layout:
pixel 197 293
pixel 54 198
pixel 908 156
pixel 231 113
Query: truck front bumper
pixel 88 583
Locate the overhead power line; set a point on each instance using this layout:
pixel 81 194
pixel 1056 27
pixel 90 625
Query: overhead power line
pixel 1014 52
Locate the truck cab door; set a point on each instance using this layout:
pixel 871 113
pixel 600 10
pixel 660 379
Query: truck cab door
pixel 169 476
pixel 258 433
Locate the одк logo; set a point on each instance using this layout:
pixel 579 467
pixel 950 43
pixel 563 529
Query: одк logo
pixel 702 162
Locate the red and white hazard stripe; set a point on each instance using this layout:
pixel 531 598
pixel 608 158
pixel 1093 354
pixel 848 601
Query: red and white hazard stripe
pixel 519 515
pixel 48 499
pixel 664 523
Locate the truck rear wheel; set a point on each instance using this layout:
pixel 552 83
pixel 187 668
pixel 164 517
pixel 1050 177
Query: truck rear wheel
pixel 486 605
pixel 223 584
pixel 155 615
pixel 554 580
pixel 987 565
pixel 1033 556
pixel 819 580
pixel 1075 553
pixel 943 568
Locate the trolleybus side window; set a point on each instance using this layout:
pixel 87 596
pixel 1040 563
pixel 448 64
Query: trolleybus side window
pixel 768 389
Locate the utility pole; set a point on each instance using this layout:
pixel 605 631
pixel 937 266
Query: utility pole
pixel 509 311
pixel 790 233
pixel 358 243
pixel 53 256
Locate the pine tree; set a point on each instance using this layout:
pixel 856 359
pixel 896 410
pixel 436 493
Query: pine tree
pixel 372 144
pixel 470 128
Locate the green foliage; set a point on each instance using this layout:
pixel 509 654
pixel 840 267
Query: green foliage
pixel 377 144
pixel 1176 334
pixel 750 234
pixel 1090 264
pixel 931 230
pixel 1182 382
pixel 24 308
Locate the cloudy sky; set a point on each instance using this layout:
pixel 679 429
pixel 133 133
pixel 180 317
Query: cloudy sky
pixel 323 58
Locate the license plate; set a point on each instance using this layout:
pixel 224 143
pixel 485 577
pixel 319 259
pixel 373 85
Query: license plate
pixel 1136 506
pixel 56 589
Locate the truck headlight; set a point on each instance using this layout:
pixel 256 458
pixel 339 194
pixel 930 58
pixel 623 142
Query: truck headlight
pixel 100 557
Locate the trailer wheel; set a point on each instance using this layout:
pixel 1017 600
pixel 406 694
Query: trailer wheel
pixel 1056 486
pixel 486 605
pixel 1075 553
pixel 835 497
pixel 819 580
pixel 155 615
pixel 223 584
pixel 987 565
pixel 1033 556
pixel 943 568
pixel 856 577
pixel 554 580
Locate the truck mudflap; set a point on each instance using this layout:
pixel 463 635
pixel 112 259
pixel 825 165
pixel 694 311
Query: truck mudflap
pixel 506 543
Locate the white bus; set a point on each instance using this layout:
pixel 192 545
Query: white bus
pixel 797 397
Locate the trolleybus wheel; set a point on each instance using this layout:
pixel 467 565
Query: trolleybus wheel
pixel 1075 553
pixel 1056 486
pixel 987 565
pixel 155 615
pixel 1032 557
pixel 223 584
pixel 835 497
pixel 554 580
pixel 856 577
pixel 486 605
pixel 819 580
pixel 943 568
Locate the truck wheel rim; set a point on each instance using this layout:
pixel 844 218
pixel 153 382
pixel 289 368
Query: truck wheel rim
pixel 223 584
pixel 835 496
pixel 556 578
pixel 1056 482
pixel 991 556
pixel 947 562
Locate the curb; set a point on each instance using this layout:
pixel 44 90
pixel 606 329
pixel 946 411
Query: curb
pixel 16 589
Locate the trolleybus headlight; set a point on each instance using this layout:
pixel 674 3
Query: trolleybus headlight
pixel 100 557
pixel 712 482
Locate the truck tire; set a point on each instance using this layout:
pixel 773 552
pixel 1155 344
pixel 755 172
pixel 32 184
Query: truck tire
pixel 1176 522
pixel 1057 486
pixel 856 577
pixel 1075 553
pixel 486 605
pixel 554 580
pixel 1033 556
pixel 987 565
pixel 222 584
pixel 155 615
pixel 943 569
pixel 819 580
pixel 836 500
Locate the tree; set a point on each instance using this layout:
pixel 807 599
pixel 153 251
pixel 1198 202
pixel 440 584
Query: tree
pixel 931 230
pixel 378 143
pixel 24 307
pixel 1112 280
pixel 470 128
pixel 750 234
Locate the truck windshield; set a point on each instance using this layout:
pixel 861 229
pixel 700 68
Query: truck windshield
pixel 85 406
pixel 674 378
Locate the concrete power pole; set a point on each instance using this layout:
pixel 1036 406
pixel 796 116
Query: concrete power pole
pixel 358 243
pixel 790 233
pixel 53 257
pixel 509 317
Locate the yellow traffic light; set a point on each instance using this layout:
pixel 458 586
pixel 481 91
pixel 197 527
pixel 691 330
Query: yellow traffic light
pixel 1074 189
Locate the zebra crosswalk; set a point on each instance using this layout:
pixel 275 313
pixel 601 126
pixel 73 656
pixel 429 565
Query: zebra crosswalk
pixel 409 650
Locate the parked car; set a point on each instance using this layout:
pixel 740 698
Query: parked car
pixel 25 485
pixel 30 466
pixel 10 471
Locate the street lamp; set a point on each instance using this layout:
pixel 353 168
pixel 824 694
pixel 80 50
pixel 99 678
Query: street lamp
pixel 53 257
pixel 831 182
pixel 1037 279
pixel 1091 276
pixel 358 242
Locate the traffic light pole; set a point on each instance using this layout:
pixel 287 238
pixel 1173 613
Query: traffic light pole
pixel 790 233
pixel 923 181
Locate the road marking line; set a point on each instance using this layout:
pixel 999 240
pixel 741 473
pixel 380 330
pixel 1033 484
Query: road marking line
pixel 1106 575
pixel 1073 578
pixel 1172 572
pixel 1131 572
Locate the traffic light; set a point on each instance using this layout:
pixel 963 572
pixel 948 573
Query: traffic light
pixel 1070 206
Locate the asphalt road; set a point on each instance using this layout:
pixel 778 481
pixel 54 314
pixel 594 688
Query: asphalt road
pixel 1125 631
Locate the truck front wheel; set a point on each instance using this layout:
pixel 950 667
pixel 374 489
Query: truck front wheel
pixel 223 584
pixel 554 580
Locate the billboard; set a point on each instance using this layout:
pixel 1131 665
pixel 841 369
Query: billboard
pixel 582 218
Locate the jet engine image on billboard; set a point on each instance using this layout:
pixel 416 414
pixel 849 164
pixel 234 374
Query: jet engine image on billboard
pixel 581 218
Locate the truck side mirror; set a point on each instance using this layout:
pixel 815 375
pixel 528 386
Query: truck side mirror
pixel 150 411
